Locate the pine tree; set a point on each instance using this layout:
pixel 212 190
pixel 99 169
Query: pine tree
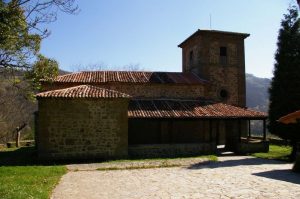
pixel 285 85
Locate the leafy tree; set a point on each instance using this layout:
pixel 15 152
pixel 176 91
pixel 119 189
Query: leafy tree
pixel 22 27
pixel 16 43
pixel 285 85
pixel 43 68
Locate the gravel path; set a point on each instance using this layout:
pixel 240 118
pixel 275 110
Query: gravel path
pixel 231 177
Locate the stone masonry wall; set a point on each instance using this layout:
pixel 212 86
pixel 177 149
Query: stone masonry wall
pixel 228 74
pixel 82 128
pixel 171 150
pixel 227 79
pixel 145 90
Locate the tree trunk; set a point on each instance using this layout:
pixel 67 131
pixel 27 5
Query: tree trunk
pixel 18 139
pixel 18 135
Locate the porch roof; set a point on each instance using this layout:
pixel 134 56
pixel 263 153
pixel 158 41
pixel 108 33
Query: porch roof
pixel 174 108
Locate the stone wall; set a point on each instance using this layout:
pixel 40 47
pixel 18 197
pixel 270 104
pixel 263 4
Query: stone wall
pixel 144 90
pixel 82 128
pixel 224 73
pixel 248 147
pixel 171 150
pixel 224 79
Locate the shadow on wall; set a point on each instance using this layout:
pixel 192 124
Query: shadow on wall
pixel 233 163
pixel 282 175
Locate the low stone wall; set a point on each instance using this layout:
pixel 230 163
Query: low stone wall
pixel 22 143
pixel 171 150
pixel 257 147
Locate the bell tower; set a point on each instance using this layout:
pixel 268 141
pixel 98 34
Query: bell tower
pixel 218 57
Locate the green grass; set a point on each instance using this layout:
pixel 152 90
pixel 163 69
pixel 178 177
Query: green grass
pixel 162 162
pixel 208 157
pixel 276 152
pixel 19 182
pixel 139 167
pixel 23 176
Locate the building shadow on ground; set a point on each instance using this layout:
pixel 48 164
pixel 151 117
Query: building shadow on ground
pixel 27 156
pixel 286 175
pixel 234 162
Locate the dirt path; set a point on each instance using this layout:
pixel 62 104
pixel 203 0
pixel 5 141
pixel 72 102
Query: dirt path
pixel 231 177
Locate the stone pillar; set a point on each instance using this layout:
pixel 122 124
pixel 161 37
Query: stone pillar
pixel 264 130
pixel 249 128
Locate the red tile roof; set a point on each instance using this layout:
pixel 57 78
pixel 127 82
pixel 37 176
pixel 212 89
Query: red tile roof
pixel 290 118
pixel 188 109
pixel 130 77
pixel 82 91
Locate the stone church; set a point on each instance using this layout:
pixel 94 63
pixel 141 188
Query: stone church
pixel 116 114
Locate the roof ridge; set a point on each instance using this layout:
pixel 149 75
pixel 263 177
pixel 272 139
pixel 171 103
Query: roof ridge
pixel 84 91
pixel 172 99
pixel 155 77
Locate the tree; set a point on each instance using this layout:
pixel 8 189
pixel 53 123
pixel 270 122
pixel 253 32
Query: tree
pixel 43 68
pixel 16 43
pixel 285 85
pixel 22 27
pixel 15 108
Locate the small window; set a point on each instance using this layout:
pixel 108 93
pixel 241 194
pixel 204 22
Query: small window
pixel 223 94
pixel 191 57
pixel 223 51
pixel 223 55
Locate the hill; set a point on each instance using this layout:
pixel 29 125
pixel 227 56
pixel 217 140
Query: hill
pixel 257 92
pixel 257 98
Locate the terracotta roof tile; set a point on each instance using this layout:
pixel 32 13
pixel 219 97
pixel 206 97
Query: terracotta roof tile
pixel 187 109
pixel 82 91
pixel 290 118
pixel 130 77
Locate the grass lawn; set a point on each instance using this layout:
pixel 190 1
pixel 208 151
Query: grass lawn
pixel 208 157
pixel 276 152
pixel 29 181
pixel 21 176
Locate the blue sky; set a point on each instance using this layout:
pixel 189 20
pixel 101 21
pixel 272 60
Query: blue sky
pixel 117 33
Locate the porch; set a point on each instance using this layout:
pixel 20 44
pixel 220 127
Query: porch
pixel 158 128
